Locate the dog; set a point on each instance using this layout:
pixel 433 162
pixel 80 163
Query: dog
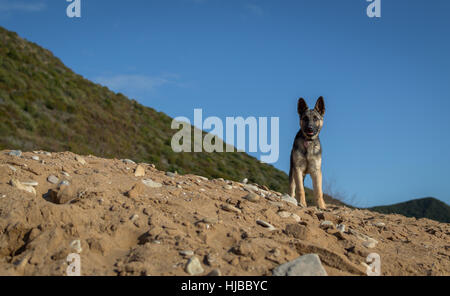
pixel 306 154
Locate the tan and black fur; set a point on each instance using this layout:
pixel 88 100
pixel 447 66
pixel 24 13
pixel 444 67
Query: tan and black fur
pixel 306 154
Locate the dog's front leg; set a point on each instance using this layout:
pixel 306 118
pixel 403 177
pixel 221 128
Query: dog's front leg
pixel 300 189
pixel 317 185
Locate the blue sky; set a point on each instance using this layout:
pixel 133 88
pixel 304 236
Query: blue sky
pixel 385 81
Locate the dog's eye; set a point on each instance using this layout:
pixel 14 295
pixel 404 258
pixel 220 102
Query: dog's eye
pixel 316 118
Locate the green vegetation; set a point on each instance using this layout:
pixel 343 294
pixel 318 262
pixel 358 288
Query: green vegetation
pixel 429 207
pixel 45 105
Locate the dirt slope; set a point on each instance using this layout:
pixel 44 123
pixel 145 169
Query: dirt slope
pixel 155 227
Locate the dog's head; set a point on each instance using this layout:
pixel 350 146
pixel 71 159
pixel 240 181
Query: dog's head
pixel 311 120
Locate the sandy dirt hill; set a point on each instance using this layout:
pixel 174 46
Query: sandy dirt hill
pixel 131 219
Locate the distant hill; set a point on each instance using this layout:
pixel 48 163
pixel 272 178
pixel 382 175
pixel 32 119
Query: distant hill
pixel 429 207
pixel 45 105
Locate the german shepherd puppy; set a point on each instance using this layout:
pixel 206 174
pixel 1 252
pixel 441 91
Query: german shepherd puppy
pixel 306 154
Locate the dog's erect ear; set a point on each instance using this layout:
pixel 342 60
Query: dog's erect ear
pixel 320 106
pixel 301 106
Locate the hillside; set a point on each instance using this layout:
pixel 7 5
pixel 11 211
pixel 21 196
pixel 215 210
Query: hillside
pixel 429 207
pixel 45 105
pixel 126 218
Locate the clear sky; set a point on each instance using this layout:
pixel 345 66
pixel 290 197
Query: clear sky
pixel 386 81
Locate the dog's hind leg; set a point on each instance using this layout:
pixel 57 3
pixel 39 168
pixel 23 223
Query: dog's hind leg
pixel 317 185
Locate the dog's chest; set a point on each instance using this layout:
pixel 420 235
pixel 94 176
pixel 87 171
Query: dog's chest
pixel 307 155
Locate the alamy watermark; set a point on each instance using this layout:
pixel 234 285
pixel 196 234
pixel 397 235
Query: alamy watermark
pixel 236 131
pixel 74 8
pixel 373 268
pixel 74 268
pixel 374 8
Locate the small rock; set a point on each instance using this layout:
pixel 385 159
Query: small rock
pixel 306 265
pixel 128 161
pixel 370 244
pixel 64 183
pixel 210 220
pixel 34 157
pixel 245 181
pixel 193 266
pixel 290 199
pixel 284 214
pixel 379 224
pixel 17 184
pixel 76 246
pixel 30 183
pixel 12 168
pixel 228 187
pixel 65 174
pixel 214 272
pixel 230 208
pixel 64 195
pixel 150 183
pixel 134 217
pixel 252 197
pixel 47 153
pixel 139 171
pixel 326 224
pixel 265 224
pixel 170 174
pixel 187 253
pixel 296 217
pixel 251 188
pixel 16 153
pixel 340 227
pixel 53 179
pixel 80 160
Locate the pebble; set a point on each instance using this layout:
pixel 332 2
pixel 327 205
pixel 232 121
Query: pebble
pixel 17 184
pixel 150 183
pixel 34 157
pixel 17 153
pixel 252 197
pixel 47 154
pixel 230 208
pixel 228 187
pixel 187 253
pixel 284 214
pixel 296 217
pixel 134 217
pixel 128 161
pixel 76 246
pixel 194 267
pixel 251 188
pixel 12 168
pixel 214 272
pixel 265 224
pixel 139 171
pixel 341 227
pixel 379 224
pixel 306 265
pixel 64 183
pixel 65 174
pixel 290 199
pixel 370 244
pixel 30 183
pixel 170 174
pixel 53 179
pixel 245 181
pixel 80 160
pixel 326 224
pixel 210 220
